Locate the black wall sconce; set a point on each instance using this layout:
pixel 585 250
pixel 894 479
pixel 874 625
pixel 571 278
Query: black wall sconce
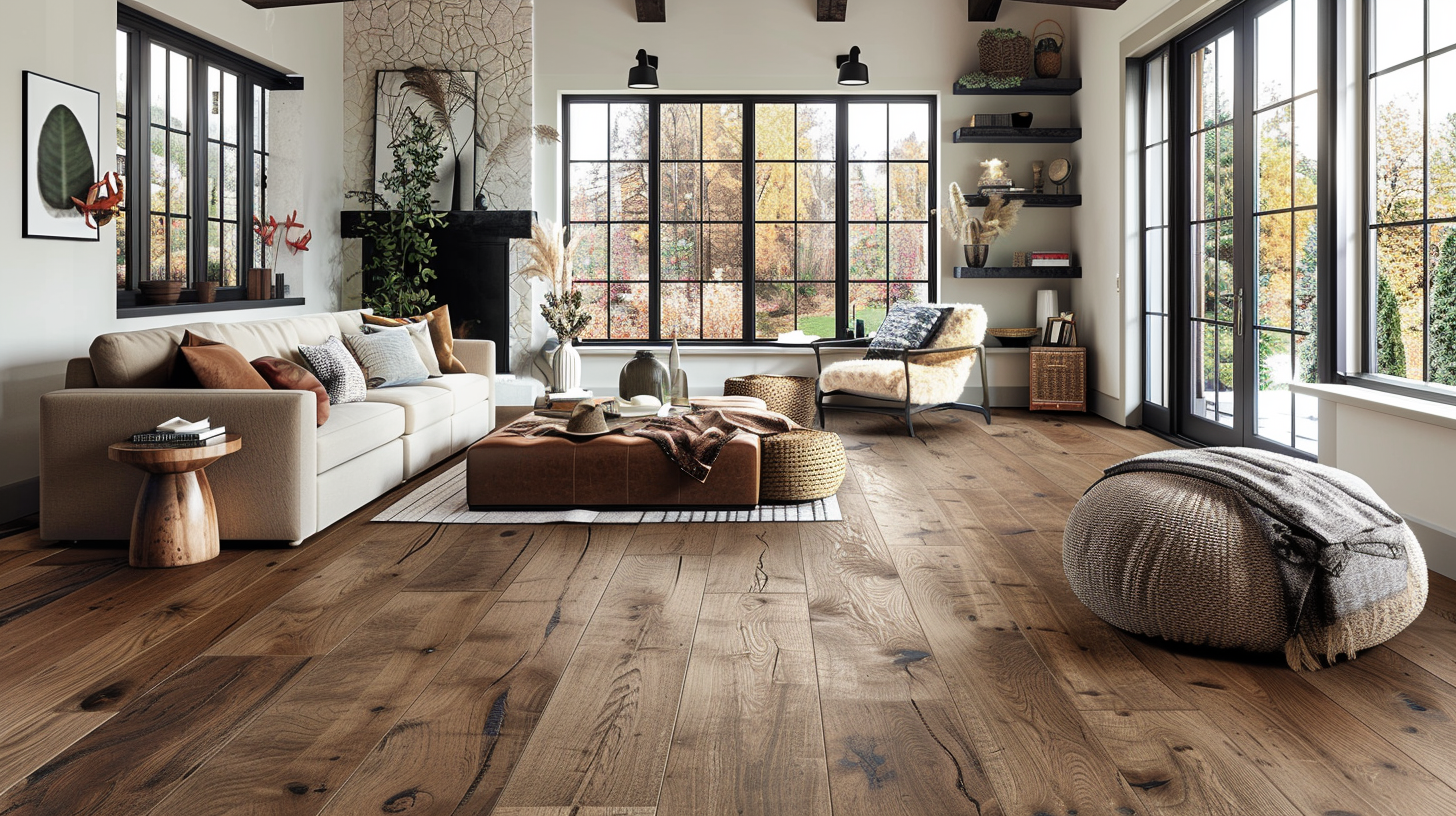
pixel 643 75
pixel 851 70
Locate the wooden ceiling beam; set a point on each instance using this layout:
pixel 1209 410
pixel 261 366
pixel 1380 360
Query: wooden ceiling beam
pixel 984 11
pixel 832 11
pixel 273 4
pixel 651 11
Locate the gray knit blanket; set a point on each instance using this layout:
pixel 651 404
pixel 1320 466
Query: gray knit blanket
pixel 1339 547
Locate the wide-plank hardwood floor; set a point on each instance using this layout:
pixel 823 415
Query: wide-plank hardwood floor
pixel 924 656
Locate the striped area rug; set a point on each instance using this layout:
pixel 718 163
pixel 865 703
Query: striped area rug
pixel 442 500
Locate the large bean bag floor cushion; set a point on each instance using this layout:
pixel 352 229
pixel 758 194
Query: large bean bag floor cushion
pixel 1242 549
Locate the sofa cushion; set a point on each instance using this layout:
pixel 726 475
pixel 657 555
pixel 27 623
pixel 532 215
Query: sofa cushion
pixel 337 370
pixel 278 338
pixel 419 335
pixel 356 428
pixel 469 389
pixel 388 359
pixel 423 407
pixel 218 365
pixel 140 359
pixel 283 375
pixel 441 334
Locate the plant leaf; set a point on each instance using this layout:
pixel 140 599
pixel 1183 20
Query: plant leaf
pixel 64 165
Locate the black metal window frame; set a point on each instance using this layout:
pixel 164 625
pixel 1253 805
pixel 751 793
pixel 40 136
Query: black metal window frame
pixel 1368 376
pixel 143 31
pixel 842 280
pixel 1156 413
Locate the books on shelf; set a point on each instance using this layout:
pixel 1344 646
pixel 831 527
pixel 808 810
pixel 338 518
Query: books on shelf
pixel 180 433
pixel 1051 259
pixel 994 120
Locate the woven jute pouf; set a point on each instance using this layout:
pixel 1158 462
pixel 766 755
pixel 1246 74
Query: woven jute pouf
pixel 800 465
pixel 791 396
pixel 1176 557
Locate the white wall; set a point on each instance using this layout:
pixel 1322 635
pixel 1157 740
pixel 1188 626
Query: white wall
pixel 777 46
pixel 60 294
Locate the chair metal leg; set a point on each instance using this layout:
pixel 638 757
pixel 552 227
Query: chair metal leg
pixel 909 423
pixel 985 407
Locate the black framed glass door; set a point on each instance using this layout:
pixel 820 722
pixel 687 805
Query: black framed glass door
pixel 1249 140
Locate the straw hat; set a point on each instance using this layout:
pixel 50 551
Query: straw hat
pixel 586 420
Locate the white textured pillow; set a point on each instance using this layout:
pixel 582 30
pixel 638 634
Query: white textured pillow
pixel 388 358
pixel 337 370
pixel 419 334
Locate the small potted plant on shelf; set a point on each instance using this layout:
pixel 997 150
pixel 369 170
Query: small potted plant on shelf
pixel 976 234
pixel 548 258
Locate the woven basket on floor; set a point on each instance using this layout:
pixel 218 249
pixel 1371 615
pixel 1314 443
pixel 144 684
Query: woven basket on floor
pixel 791 396
pixel 801 465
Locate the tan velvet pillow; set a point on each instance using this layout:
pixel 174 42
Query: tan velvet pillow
pixel 217 365
pixel 283 375
pixel 441 335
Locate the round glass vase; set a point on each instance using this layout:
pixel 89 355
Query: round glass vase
pixel 976 254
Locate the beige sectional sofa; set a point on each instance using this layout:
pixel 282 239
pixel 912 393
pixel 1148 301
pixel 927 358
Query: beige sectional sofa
pixel 291 478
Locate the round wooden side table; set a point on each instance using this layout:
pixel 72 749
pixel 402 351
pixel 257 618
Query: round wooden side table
pixel 175 521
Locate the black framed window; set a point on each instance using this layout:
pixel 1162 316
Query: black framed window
pixel 192 119
pixel 834 226
pixel 1410 283
pixel 1156 161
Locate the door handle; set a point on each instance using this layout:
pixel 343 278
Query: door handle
pixel 1239 313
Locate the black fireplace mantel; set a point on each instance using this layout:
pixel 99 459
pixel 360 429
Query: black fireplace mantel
pixel 472 267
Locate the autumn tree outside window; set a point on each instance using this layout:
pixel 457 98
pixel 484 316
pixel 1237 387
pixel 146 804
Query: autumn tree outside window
pixel 730 218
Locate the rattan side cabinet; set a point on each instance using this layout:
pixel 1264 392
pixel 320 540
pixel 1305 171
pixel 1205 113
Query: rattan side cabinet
pixel 1058 378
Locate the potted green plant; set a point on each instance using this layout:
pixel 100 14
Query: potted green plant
pixel 548 258
pixel 397 271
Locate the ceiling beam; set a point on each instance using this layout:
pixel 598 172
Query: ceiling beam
pixel 832 11
pixel 984 11
pixel 1110 5
pixel 273 4
pixel 651 11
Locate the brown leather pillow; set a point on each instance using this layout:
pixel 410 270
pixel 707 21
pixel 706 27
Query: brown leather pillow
pixel 287 376
pixel 441 335
pixel 217 365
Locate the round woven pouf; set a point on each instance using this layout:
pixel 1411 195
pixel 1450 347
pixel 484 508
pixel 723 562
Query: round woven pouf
pixel 800 466
pixel 1180 558
pixel 791 396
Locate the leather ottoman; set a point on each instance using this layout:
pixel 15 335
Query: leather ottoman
pixel 611 471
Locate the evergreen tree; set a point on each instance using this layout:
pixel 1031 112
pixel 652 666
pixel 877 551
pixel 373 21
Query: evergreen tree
pixel 1389 344
pixel 1442 338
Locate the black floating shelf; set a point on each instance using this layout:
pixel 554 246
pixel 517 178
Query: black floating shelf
pixel 1012 134
pixel 1028 87
pixel 1018 272
pixel 1029 200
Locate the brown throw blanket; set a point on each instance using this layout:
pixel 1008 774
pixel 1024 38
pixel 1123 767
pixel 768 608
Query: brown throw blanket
pixel 1339 547
pixel 692 441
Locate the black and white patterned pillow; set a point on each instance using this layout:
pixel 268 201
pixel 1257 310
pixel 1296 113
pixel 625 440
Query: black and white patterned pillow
pixel 336 369
pixel 907 326
pixel 388 358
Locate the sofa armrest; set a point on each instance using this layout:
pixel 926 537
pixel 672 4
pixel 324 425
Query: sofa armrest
pixel 265 491
pixel 478 357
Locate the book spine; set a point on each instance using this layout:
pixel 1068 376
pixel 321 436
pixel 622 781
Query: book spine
pixel 1045 262
pixel 167 436
pixel 175 443
pixel 1052 255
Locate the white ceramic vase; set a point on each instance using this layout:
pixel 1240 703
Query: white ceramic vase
pixel 566 366
pixel 1046 308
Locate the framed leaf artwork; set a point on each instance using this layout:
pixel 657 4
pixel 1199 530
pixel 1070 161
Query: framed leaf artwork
pixel 62 124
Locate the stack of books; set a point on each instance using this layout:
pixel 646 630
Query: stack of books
pixel 1051 259
pixel 180 433
pixel 560 404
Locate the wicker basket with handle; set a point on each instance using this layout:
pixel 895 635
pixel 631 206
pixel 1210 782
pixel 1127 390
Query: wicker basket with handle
pixel 801 465
pixel 791 396
pixel 1048 49
pixel 1004 53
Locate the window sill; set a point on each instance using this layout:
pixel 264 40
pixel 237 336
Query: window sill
pixel 1384 402
pixel 192 308
pixel 737 351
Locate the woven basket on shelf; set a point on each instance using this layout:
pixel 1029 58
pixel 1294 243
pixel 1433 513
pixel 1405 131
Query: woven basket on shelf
pixel 801 465
pixel 1005 57
pixel 791 396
